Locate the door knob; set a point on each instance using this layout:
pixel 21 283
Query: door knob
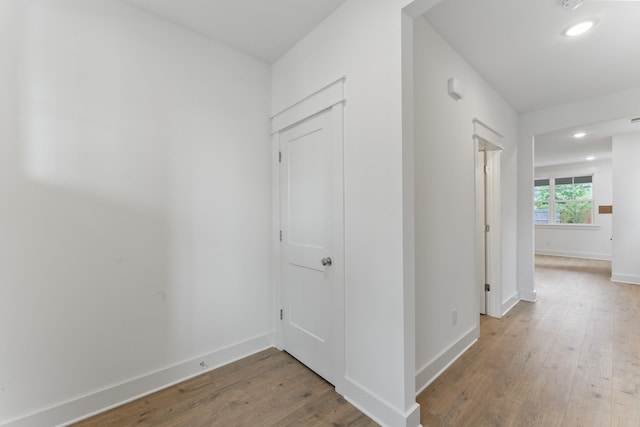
pixel 326 261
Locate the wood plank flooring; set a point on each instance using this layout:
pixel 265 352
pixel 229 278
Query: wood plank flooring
pixel 269 388
pixel 571 359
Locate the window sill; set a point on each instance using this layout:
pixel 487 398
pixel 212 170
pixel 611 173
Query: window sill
pixel 568 226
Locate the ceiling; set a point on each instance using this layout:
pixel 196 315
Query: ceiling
pixel 518 47
pixel 264 29
pixel 560 147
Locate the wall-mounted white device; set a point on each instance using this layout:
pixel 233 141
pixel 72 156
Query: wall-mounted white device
pixel 455 88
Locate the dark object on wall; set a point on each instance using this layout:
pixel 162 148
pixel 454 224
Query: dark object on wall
pixel 605 209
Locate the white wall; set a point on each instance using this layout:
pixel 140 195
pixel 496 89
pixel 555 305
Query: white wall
pixel 362 40
pixel 445 200
pixel 626 209
pixel 591 241
pixel 136 203
pixel 599 109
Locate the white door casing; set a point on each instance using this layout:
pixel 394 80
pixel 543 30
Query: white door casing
pixel 310 234
pixel 481 278
pixel 488 206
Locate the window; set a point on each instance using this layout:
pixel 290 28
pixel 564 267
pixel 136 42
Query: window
pixel 564 200
pixel 542 201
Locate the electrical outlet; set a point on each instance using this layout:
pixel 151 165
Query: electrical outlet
pixel 454 316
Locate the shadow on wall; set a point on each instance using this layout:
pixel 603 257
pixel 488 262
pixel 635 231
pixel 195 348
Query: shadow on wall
pixel 134 189
pixel 84 246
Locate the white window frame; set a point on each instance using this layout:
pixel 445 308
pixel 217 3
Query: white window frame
pixel 552 202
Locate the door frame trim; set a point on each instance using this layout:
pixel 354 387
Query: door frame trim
pixel 484 138
pixel 330 97
pixel 320 100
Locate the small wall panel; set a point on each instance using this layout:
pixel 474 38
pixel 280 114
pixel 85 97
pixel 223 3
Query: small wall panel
pixel 605 209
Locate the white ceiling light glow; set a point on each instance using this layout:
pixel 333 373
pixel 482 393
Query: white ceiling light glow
pixel 591 158
pixel 581 28
pixel 579 135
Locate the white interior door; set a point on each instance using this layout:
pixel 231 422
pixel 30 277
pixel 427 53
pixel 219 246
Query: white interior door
pixel 493 258
pixel 488 225
pixel 311 212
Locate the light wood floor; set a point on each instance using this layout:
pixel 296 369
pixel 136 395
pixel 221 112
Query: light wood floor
pixel 269 388
pixel 571 359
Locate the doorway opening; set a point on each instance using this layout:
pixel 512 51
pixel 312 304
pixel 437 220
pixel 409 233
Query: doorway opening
pixel 488 260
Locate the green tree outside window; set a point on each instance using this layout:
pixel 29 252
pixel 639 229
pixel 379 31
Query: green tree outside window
pixel 571 202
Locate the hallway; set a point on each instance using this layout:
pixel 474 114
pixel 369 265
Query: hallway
pixel 571 359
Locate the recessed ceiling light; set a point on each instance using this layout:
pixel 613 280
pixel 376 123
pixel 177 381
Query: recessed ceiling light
pixel 591 158
pixel 579 135
pixel 578 29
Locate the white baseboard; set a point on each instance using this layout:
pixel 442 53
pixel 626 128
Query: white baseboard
pixel 585 255
pixel 432 370
pixel 530 296
pixel 510 303
pixel 95 403
pixel 376 408
pixel 625 278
